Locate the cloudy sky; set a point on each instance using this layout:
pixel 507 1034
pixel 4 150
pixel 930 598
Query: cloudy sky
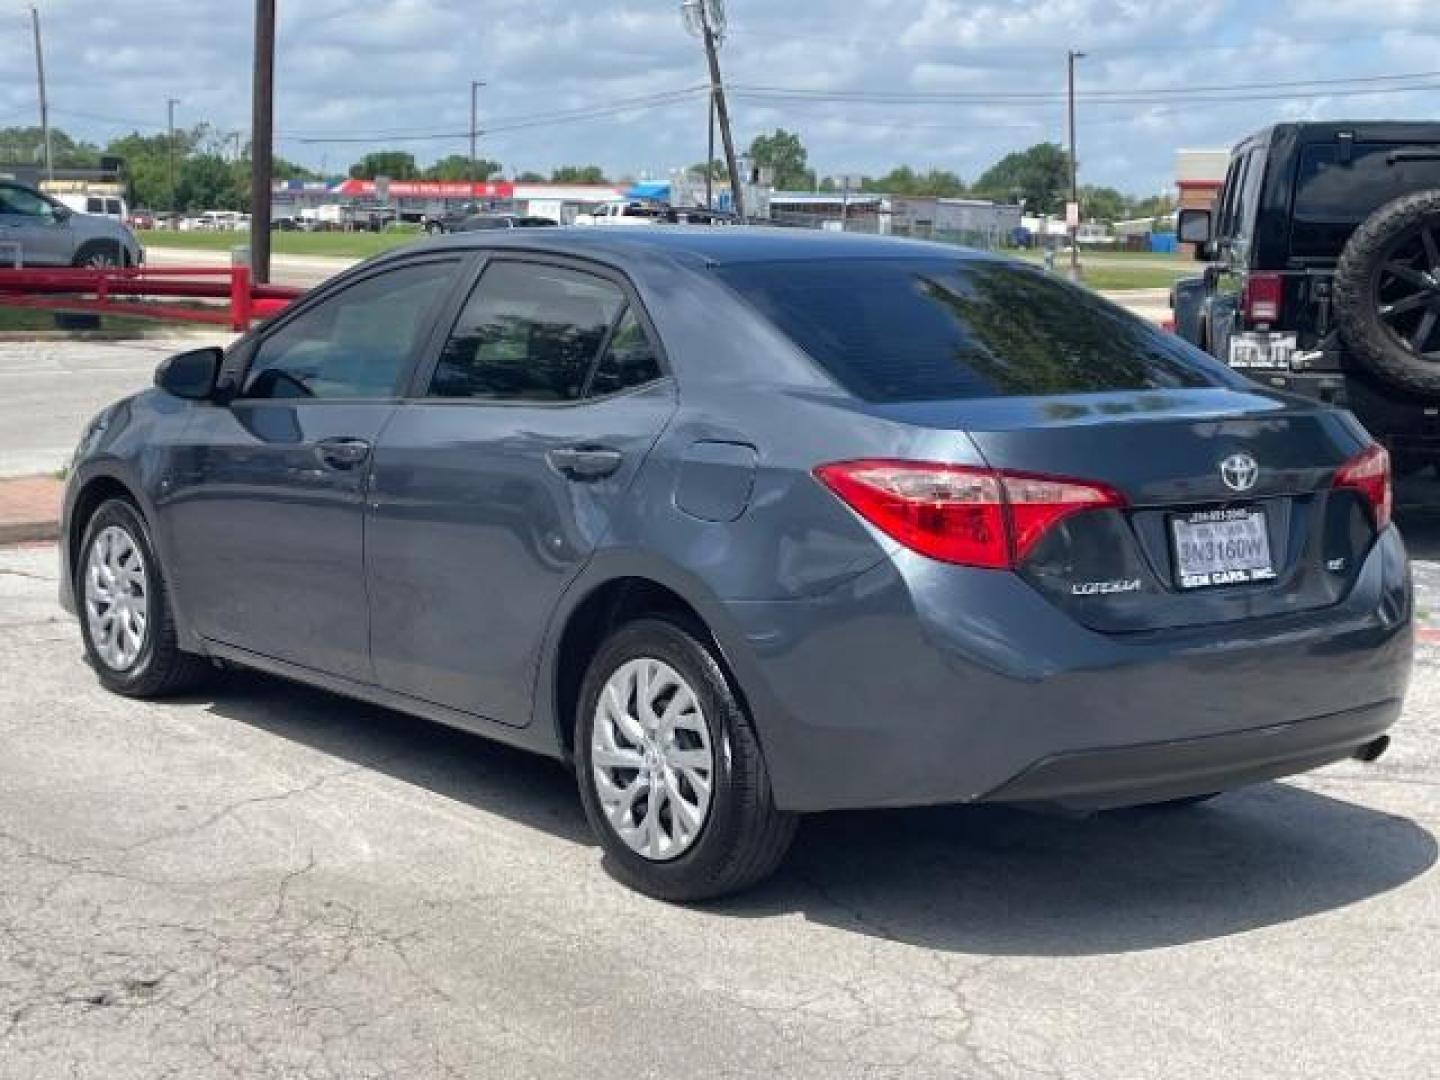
pixel 867 83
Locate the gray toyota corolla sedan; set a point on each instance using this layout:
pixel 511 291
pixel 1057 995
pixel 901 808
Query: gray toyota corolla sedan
pixel 748 524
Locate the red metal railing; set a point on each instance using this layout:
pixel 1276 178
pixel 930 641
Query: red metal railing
pixel 116 291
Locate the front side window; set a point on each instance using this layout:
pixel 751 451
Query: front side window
pixel 529 332
pixel 933 329
pixel 356 344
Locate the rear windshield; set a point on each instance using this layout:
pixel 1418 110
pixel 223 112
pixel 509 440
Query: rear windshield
pixel 925 330
pixel 1333 195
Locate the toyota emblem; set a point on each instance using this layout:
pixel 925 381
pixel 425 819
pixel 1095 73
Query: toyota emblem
pixel 1239 471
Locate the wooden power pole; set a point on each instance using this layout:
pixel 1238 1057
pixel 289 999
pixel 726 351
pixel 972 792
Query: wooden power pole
pixel 701 16
pixel 44 99
pixel 1072 56
pixel 262 139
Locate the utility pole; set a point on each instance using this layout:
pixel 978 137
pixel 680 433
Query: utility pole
pixel 170 104
pixel 44 101
pixel 262 141
pixel 475 86
pixel 710 159
pixel 1073 211
pixel 706 18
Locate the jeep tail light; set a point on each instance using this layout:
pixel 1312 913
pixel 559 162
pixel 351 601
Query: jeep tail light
pixel 1368 473
pixel 959 513
pixel 1263 298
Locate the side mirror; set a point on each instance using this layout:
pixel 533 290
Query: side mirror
pixel 1195 226
pixel 190 375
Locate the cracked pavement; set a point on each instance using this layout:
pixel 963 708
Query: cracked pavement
pixel 269 881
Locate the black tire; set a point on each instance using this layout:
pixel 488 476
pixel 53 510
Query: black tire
pixel 744 837
pixel 100 253
pixel 1358 281
pixel 161 668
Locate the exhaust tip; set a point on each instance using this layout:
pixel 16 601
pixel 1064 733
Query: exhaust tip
pixel 1372 751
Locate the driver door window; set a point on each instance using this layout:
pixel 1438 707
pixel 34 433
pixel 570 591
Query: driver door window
pixel 357 344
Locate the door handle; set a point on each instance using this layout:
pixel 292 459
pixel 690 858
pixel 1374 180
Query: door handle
pixel 584 462
pixel 342 453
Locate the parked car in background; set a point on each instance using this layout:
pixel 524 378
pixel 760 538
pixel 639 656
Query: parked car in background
pixel 482 222
pixel 448 220
pixel 141 219
pixel 751 523
pixel 111 206
pixel 46 232
pixel 1324 275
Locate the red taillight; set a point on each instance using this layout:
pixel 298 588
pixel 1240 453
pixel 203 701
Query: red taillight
pixel 1368 472
pixel 960 513
pixel 1263 298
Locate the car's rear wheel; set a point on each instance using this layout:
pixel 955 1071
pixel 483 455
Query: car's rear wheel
pixel 125 615
pixel 100 255
pixel 671 772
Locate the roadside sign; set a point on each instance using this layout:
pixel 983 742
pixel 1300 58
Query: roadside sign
pixel 1072 215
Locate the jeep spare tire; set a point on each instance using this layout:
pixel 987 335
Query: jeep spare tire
pixel 1387 293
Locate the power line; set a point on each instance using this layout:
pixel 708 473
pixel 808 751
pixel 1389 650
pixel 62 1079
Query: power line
pixel 653 101
pixel 906 97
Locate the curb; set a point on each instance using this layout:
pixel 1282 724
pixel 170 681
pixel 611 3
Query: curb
pixel 28 532
pixel 30 509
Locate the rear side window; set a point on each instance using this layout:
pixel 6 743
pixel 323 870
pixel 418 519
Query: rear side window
pixel 529 332
pixel 923 330
pixel 629 361
pixel 1332 197
pixel 94 206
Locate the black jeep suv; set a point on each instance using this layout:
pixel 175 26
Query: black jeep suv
pixel 1324 275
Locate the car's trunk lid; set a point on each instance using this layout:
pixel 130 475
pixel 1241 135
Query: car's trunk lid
pixel 1198 542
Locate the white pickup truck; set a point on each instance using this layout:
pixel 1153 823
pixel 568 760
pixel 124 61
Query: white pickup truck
pixel 619 213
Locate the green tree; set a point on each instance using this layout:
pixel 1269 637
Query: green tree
pixel 207 182
pixel 27 144
pixel 1156 207
pixel 578 174
pixel 396 164
pixel 147 164
pixel 906 181
pixel 717 169
pixel 1039 175
pixel 529 176
pixel 457 167
pixel 783 152
pixel 1104 204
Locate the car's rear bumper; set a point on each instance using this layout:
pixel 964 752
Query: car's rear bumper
pixel 1162 771
pixel 918 683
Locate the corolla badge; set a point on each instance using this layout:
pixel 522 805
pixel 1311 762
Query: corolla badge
pixel 1239 472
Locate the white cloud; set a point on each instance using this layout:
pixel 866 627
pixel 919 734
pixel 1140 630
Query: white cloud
pixel 393 65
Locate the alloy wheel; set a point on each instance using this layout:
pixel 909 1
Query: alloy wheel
pixel 117 598
pixel 1407 291
pixel 651 754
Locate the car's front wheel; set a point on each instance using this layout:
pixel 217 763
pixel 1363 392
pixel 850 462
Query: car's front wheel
pixel 125 615
pixel 670 769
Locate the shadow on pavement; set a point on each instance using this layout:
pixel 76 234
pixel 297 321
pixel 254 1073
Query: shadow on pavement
pixel 995 881
pixel 526 788
pixel 986 880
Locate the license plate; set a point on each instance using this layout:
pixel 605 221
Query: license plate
pixel 1221 547
pixel 1272 352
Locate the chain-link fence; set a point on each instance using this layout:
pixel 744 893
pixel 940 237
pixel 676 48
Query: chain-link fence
pixel 876 224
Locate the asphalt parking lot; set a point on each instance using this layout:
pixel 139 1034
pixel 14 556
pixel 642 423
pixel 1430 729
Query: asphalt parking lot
pixel 269 881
